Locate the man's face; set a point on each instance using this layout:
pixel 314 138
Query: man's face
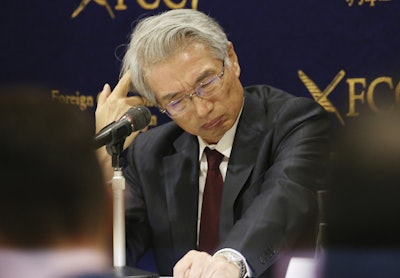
pixel 208 118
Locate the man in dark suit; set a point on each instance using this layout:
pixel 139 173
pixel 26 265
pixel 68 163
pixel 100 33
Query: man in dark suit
pixel 273 145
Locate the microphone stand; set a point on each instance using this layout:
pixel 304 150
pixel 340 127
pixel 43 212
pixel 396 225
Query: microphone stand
pixel 118 187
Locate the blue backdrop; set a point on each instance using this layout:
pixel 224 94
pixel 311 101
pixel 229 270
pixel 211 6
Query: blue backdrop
pixel 343 53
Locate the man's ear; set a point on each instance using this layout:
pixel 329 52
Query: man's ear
pixel 233 59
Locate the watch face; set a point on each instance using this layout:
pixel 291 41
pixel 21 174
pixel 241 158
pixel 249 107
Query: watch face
pixel 234 257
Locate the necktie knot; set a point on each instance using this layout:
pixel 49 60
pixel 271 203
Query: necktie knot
pixel 214 158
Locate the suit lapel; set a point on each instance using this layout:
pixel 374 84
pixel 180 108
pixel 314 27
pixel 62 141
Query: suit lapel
pixel 249 133
pixel 181 172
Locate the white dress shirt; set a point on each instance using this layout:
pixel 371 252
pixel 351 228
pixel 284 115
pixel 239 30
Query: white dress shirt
pixel 224 146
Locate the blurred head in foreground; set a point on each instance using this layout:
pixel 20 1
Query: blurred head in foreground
pixel 52 195
pixel 362 208
pixel 363 195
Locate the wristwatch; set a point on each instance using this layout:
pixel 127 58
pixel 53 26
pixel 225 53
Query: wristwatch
pixel 236 260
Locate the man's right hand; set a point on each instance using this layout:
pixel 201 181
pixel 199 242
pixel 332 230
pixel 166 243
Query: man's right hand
pixel 110 107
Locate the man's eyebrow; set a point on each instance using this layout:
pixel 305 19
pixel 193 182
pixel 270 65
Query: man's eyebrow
pixel 202 76
pixel 170 96
pixel 206 73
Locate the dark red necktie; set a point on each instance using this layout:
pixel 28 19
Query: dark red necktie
pixel 209 222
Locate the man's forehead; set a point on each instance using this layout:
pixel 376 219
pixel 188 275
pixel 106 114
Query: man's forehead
pixel 166 80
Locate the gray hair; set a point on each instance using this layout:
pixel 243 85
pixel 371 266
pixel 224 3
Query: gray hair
pixel 157 38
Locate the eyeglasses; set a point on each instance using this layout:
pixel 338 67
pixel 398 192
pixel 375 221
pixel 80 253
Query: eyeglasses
pixel 205 89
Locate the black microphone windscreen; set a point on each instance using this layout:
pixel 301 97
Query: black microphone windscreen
pixel 141 116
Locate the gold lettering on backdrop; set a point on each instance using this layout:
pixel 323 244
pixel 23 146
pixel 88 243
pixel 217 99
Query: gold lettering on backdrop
pixel 397 93
pixel 360 92
pixel 322 96
pixel 153 120
pixel 144 4
pixel 84 3
pixel 368 93
pixel 371 3
pixel 121 6
pixel 82 101
pixel 105 4
pixel 371 91
pixel 80 8
pixel 353 96
pixel 170 4
pixel 149 6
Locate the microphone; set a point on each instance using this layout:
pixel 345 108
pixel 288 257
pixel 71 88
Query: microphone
pixel 136 118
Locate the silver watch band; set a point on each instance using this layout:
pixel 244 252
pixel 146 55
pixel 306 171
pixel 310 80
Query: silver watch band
pixel 232 258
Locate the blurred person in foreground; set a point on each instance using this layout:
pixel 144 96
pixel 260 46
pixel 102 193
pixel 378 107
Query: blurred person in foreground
pixel 274 147
pixel 54 206
pixel 362 203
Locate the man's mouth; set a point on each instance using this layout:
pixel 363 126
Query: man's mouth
pixel 213 123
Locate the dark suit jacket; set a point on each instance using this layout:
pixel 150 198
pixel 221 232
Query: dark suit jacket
pixel 268 203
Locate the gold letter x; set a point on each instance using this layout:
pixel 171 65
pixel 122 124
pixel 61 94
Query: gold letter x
pixel 322 97
pixel 84 3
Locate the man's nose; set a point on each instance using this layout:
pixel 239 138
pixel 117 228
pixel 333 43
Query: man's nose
pixel 202 106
